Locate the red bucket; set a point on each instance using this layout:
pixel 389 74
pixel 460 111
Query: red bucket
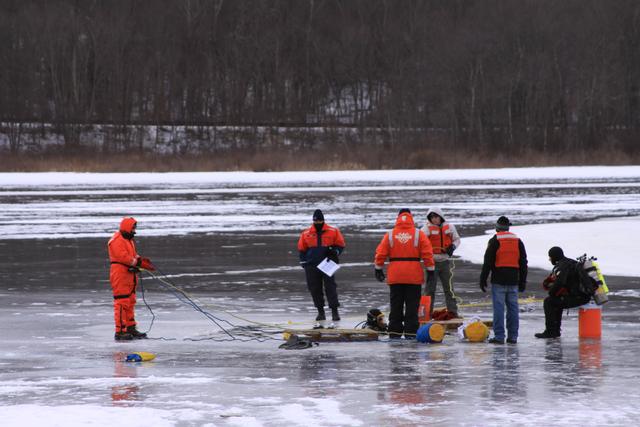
pixel 424 310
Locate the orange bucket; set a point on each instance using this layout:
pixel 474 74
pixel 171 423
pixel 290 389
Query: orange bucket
pixel 424 310
pixel 590 321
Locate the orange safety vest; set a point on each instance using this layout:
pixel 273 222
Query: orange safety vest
pixel 440 237
pixel 508 253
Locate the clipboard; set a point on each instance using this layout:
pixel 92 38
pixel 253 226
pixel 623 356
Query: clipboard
pixel 328 267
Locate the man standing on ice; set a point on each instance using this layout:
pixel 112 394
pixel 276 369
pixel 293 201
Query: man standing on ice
pixel 444 239
pixel 406 246
pixel 506 259
pixel 125 265
pixel 316 243
pixel 563 285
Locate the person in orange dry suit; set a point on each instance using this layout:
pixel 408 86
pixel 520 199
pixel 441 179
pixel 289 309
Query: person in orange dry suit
pixel 123 275
pixel 406 247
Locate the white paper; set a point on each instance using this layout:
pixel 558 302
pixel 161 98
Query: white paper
pixel 328 267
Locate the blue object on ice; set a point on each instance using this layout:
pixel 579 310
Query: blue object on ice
pixel 140 356
pixel 134 357
pixel 430 333
pixel 423 333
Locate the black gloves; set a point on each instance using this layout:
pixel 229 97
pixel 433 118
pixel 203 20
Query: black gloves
pixel 332 254
pixel 483 286
pixel 522 287
pixel 431 276
pixel 380 275
pixel 449 249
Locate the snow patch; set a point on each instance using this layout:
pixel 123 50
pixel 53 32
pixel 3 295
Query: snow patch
pixel 82 415
pixel 316 412
pixel 609 240
pixel 263 380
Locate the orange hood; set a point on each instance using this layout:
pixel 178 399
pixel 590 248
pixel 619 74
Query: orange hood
pixel 404 220
pixel 127 224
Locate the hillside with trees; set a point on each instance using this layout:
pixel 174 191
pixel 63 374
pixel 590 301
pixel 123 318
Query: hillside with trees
pixel 210 84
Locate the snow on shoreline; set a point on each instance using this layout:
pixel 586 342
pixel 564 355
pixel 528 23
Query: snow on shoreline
pixel 610 240
pixel 20 179
pixel 601 239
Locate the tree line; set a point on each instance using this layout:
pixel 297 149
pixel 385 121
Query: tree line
pixel 479 74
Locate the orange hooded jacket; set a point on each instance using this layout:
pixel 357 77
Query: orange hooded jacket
pixel 122 254
pixel 405 248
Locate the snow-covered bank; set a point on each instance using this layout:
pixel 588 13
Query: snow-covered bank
pixel 612 241
pixel 210 178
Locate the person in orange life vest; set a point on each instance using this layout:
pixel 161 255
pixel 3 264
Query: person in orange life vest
pixel 506 259
pixel 405 246
pixel 125 265
pixel 316 243
pixel 563 285
pixel 444 240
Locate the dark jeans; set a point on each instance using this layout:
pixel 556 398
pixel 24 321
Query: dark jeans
pixel 315 279
pixel 553 307
pixel 403 318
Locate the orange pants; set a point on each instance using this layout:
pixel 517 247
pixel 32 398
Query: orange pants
pixel 124 312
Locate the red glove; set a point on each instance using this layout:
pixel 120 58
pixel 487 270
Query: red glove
pixel 546 283
pixel 145 264
pixel 562 292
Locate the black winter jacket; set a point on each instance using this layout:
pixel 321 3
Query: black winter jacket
pixel 566 277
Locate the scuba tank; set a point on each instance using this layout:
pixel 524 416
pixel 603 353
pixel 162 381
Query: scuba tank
pixel 600 296
pixel 593 270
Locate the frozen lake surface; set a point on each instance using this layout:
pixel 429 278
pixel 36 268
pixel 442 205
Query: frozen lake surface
pixel 231 246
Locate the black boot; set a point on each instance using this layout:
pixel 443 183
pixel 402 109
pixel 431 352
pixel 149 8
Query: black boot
pixel 320 315
pixel 123 336
pixel 136 334
pixel 547 334
pixel 335 316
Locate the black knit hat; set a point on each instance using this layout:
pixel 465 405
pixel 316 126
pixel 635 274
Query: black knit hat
pixel 556 254
pixel 503 224
pixel 318 215
pixel 404 210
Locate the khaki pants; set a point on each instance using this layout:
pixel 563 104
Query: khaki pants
pixel 443 270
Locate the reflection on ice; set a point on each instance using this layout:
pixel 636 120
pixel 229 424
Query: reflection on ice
pixel 504 377
pixel 123 394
